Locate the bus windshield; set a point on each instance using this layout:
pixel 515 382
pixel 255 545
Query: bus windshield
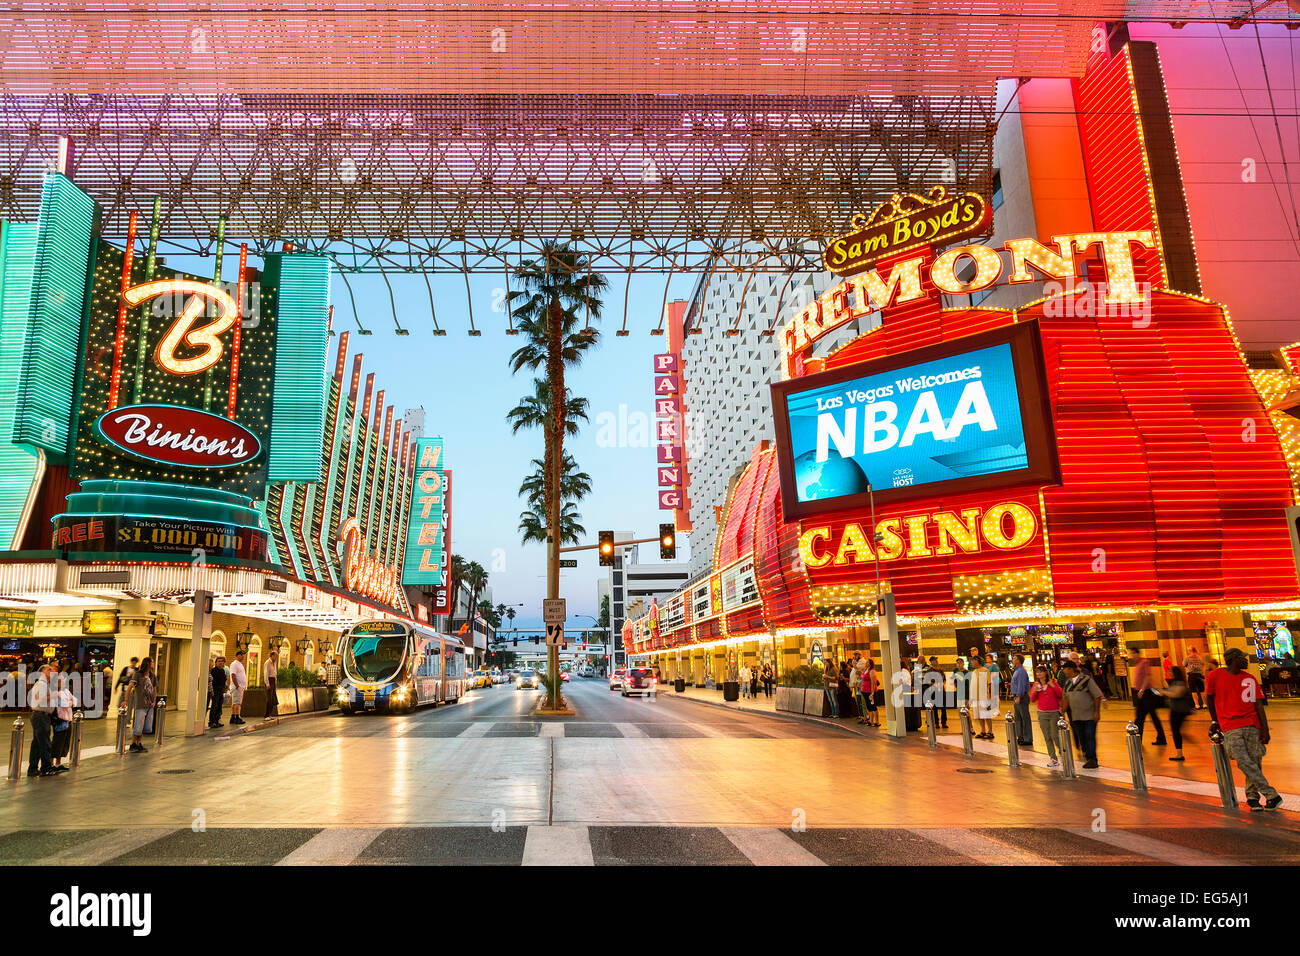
pixel 374 658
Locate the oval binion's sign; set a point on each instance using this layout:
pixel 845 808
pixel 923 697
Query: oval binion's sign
pixel 176 435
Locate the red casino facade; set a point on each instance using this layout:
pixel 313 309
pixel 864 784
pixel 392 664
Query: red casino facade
pixel 1168 527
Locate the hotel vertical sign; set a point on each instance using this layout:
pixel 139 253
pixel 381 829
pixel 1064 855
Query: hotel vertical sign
pixel 423 563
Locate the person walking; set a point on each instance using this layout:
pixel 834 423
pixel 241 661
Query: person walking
pixel 1194 667
pixel 1020 694
pixel 1233 697
pixel 1181 705
pixel 869 685
pixel 142 691
pixel 744 680
pixel 1167 666
pixel 124 679
pixel 218 678
pixel 238 681
pixel 1082 701
pixel 269 671
pixel 753 682
pixel 40 698
pixel 64 702
pixel 1146 701
pixel 830 684
pixel 768 680
pixel 1046 693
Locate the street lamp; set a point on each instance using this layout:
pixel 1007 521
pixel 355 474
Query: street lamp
pixel 599 627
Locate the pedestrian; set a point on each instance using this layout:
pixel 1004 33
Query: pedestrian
pixel 868 686
pixel 768 680
pixel 1233 696
pixel 830 685
pixel 753 682
pixel 1178 693
pixel 1020 694
pixel 333 673
pixel 960 687
pixel 844 689
pixel 40 698
pixel 321 672
pixel 935 694
pixel 64 702
pixel 1046 693
pixel 238 681
pixel 1082 701
pixel 1167 666
pixel 124 678
pixel 984 680
pixel 217 676
pixel 269 670
pixel 142 691
pixel 1146 701
pixel 744 680
pixel 1195 669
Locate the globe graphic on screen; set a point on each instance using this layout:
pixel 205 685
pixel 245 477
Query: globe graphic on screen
pixel 827 479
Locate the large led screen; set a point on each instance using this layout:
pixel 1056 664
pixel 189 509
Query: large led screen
pixel 962 415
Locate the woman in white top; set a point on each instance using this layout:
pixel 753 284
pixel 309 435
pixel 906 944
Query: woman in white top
pixel 269 670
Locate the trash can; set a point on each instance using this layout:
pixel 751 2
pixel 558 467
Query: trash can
pixel 679 685
pixel 731 690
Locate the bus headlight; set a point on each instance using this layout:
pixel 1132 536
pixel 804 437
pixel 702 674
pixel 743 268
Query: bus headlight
pixel 343 694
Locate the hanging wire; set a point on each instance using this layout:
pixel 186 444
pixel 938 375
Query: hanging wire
pixel 361 329
pixel 433 311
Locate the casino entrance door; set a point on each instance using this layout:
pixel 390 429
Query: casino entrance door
pixel 163 652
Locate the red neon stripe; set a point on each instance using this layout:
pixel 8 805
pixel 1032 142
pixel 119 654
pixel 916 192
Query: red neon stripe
pixel 234 344
pixel 119 340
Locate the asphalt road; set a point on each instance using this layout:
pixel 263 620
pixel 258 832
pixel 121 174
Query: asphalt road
pixel 624 781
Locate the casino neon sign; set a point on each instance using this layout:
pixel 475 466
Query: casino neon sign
pixel 183 331
pixel 363 573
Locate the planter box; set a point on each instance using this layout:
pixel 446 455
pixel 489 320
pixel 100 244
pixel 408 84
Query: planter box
pixel 790 699
pixel 815 703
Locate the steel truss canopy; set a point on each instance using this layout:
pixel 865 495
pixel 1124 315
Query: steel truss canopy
pixel 455 136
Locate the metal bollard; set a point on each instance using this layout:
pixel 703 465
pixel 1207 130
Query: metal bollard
pixel 160 721
pixel 122 723
pixel 74 746
pixel 1222 769
pixel 1013 745
pixel 967 736
pixel 1135 758
pixel 16 750
pixel 930 730
pixel 1066 747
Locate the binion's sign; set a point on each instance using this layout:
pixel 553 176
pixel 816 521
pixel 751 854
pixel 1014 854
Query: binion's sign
pixel 176 435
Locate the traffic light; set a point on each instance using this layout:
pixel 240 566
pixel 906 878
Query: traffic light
pixel 516 644
pixel 667 542
pixel 606 548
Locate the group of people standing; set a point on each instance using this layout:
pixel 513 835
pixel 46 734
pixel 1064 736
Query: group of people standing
pixel 752 677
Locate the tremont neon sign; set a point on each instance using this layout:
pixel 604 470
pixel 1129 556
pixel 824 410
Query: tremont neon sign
pixel 864 293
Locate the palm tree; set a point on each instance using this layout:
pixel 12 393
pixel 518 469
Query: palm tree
pixel 455 577
pixel 533 525
pixel 476 580
pixel 510 616
pixel 534 411
pixel 557 300
pixel 574 485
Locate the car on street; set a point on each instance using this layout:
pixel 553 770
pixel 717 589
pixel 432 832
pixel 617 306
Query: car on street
pixel 616 678
pixel 565 677
pixel 639 681
pixel 526 679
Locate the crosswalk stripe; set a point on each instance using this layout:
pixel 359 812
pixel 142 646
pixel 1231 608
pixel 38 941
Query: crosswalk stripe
pixel 631 730
pixel 477 728
pixel 552 729
pixel 558 846
pixel 766 847
pixel 107 847
pixel 980 848
pixel 332 847
pixel 1156 849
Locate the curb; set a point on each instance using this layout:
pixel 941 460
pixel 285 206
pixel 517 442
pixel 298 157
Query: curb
pixel 270 722
pixel 779 715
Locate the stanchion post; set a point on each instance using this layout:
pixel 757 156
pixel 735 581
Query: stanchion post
pixel 967 737
pixel 1135 758
pixel 1066 747
pixel 930 731
pixel 1222 769
pixel 16 750
pixel 1013 745
pixel 74 747
pixel 159 720
pixel 122 723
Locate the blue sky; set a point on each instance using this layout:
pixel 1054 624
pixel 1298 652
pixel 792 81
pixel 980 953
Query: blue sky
pixel 466 388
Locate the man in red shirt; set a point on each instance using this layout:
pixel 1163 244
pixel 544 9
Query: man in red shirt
pixel 1233 697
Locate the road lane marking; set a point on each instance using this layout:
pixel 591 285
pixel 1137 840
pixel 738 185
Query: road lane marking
pixel 558 846
pixel 766 847
pixel 631 730
pixel 980 848
pixel 552 729
pixel 107 847
pixel 1156 849
pixel 477 729
pixel 336 847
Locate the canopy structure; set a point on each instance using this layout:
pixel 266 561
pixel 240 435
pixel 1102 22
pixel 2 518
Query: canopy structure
pixel 663 135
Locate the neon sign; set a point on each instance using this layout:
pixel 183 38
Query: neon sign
pixel 363 573
pixel 183 331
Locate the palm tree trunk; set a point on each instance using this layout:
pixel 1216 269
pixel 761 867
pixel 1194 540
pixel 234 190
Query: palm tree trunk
pixel 555 373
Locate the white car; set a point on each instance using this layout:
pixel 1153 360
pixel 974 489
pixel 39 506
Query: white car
pixel 616 678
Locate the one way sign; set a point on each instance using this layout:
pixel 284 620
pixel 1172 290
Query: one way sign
pixel 554 635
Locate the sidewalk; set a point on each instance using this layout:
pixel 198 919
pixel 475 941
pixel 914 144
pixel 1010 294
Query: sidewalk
pixel 1195 775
